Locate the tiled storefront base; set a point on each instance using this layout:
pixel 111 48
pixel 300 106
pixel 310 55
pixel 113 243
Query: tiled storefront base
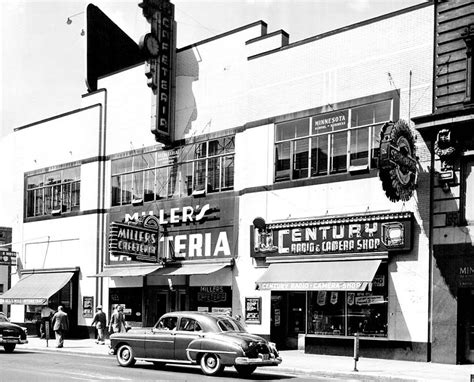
pixel 369 348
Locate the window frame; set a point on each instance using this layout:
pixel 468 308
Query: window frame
pixel 375 108
pixel 61 193
pixel 181 170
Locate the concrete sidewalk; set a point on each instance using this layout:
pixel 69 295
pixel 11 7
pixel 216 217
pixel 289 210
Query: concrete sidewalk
pixel 295 361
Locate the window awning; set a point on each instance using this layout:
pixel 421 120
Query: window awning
pixel 128 271
pixel 321 275
pixel 192 269
pixel 35 288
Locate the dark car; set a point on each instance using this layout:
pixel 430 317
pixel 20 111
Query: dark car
pixel 212 341
pixel 11 334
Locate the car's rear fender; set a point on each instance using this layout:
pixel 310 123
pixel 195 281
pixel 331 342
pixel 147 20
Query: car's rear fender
pixel 226 351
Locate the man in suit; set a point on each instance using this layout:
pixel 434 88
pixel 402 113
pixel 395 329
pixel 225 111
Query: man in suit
pixel 117 320
pixel 60 323
pixel 100 322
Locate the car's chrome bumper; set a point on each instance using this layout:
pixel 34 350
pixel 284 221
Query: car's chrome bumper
pixel 261 361
pixel 12 340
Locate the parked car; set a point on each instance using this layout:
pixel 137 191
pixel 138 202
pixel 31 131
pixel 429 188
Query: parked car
pixel 212 341
pixel 11 334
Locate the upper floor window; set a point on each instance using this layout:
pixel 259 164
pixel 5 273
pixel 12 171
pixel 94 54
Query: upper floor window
pixel 330 143
pixel 199 167
pixel 53 192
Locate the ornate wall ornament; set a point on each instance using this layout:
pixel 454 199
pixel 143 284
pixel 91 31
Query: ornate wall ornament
pixel 397 161
pixel 445 148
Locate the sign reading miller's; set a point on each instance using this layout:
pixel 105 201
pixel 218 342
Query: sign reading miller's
pixel 172 231
pixel 137 242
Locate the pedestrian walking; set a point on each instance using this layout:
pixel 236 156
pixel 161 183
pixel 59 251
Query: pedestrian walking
pixel 60 323
pixel 46 314
pixel 117 320
pixel 100 322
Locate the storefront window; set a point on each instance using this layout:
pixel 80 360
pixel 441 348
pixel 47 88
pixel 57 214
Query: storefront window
pixel 326 312
pixel 131 300
pixel 346 313
pixel 211 298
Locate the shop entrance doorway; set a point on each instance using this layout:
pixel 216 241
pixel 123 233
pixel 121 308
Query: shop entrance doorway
pixel 466 325
pixel 288 318
pixel 161 301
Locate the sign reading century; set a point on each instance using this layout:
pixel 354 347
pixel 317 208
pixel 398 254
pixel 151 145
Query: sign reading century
pixel 326 237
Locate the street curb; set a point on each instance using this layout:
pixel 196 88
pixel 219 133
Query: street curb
pixel 279 369
pixel 342 375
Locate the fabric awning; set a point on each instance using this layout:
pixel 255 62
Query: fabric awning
pixel 35 288
pixel 192 269
pixel 321 275
pixel 128 271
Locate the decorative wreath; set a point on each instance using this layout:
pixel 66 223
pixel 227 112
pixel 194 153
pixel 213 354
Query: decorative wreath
pixel 397 184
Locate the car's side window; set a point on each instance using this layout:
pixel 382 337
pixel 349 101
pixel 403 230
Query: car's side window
pixel 189 325
pixel 167 323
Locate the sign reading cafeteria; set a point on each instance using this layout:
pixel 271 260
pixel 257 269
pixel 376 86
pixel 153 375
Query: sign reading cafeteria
pixel 335 235
pixel 172 231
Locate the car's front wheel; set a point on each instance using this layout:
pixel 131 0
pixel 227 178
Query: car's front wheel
pixel 125 356
pixel 9 348
pixel 211 364
pixel 245 370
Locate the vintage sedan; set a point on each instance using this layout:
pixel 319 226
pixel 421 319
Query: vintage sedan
pixel 11 334
pixel 212 341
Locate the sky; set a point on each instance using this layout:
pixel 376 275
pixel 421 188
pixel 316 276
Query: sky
pixel 42 64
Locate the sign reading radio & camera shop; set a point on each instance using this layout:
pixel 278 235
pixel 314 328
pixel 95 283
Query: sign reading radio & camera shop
pixel 397 161
pixel 158 49
pixel 335 235
pixel 175 231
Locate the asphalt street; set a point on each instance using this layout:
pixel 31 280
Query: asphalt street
pixel 32 366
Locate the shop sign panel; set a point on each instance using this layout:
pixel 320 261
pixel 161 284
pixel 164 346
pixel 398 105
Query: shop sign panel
pixel 314 285
pixel 253 310
pixel 338 235
pixel 200 229
pixel 330 122
pixel 8 258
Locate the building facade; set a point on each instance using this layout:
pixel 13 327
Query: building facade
pixel 286 195
pixel 448 133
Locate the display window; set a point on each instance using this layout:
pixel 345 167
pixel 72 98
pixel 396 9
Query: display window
pixel 216 299
pixel 131 300
pixel 347 313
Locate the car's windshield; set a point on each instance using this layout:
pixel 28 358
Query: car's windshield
pixel 230 325
pixel 3 318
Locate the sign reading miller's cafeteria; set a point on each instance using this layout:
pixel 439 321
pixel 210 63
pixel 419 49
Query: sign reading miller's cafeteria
pixel 335 235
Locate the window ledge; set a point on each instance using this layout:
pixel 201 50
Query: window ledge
pixel 359 169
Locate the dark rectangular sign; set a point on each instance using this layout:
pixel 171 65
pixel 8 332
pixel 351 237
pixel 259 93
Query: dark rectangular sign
pixel 8 258
pixel 345 235
pixel 139 243
pixel 329 122
pixel 186 229
pixel 253 310
pixel 163 25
